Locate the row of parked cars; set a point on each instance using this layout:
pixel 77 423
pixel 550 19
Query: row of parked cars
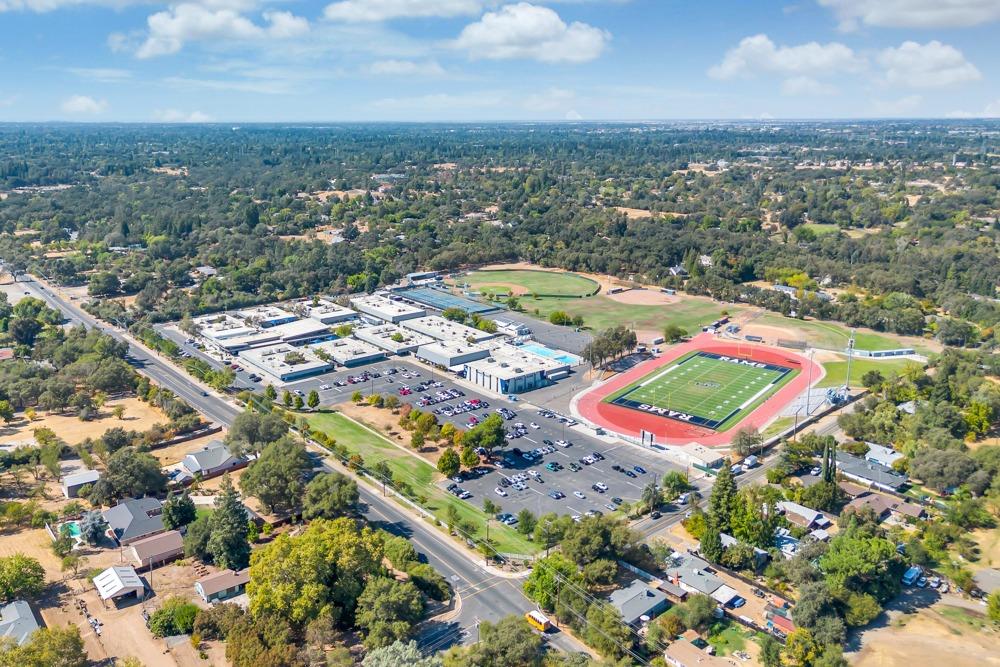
pixel 439 396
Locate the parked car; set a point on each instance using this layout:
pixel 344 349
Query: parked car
pixel 579 495
pixel 500 492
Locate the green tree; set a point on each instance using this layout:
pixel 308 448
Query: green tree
pixel 800 648
pixel 469 457
pixel 174 617
pixel 526 522
pixel 607 632
pixel 673 333
pixel 20 576
pixel 227 542
pixel 675 483
pixel 6 411
pixel 329 495
pixel 770 652
pixel 251 431
pixel 130 473
pixel 388 610
pixel 320 571
pixel 723 498
pixel 196 539
pixel 299 403
pixel 747 440
pixel 178 511
pixel 399 653
pixel 711 542
pixel 546 578
pixel 276 478
pixel 510 642
pixel 488 434
pixel 993 606
pixel 448 463
pixel 286 398
pixel 270 392
pixel 490 507
pixel 313 399
pixel 47 647
pixel 697 611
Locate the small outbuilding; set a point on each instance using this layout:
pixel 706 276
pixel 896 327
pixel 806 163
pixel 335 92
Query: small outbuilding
pixel 222 585
pixel 73 482
pixel 119 582
pixel 17 622
pixel 156 550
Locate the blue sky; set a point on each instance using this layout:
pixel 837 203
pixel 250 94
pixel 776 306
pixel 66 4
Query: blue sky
pixel 460 60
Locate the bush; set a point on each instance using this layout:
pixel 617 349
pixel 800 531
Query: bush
pixel 217 621
pixel 175 617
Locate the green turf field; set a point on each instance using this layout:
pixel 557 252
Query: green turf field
pixel 706 389
pixel 535 282
pixel 836 371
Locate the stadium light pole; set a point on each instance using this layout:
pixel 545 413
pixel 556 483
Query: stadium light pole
pixel 850 356
pixel 809 382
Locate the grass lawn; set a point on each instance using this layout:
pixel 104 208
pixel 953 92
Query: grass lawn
pixel 964 617
pixel 600 312
pixel 202 510
pixel 420 475
pixel 831 335
pixel 727 637
pixel 819 229
pixel 534 282
pixel 836 371
pixel 777 426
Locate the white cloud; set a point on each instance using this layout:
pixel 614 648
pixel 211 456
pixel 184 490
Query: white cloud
pixel 553 99
pixel 405 68
pixel 177 116
pixel 991 110
pixel 913 13
pixel 8 101
pixel 758 54
pixel 101 74
pixel 362 11
pixel 187 22
pixel 926 65
pixel 573 115
pixel 83 105
pixel 529 31
pixel 902 106
pixel 806 85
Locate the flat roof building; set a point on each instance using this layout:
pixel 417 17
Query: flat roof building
pixel 222 326
pixel 385 309
pixel 350 351
pixel 870 473
pixel 440 328
pixel 513 329
pixel 299 330
pixel 326 311
pixel 266 317
pixel 451 354
pixel 393 338
pixel 72 483
pixel 513 370
pixel 284 362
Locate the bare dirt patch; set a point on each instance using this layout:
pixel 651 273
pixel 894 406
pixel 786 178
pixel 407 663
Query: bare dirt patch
pixel 643 297
pixel 387 423
pixel 928 639
pixel 139 416
pixel 606 282
pixel 170 171
pixel 176 453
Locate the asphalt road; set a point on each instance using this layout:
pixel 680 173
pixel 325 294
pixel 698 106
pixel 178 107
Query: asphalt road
pixel 484 596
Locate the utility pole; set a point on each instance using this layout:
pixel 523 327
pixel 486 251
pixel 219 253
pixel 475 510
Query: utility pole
pixel 809 383
pixel 850 355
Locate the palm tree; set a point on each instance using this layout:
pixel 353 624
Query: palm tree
pixel 650 496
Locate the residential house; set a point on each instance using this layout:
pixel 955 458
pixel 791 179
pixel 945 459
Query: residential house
pixel 870 473
pixel 156 550
pixel 133 519
pixel 760 556
pixel 638 602
pixel 17 622
pixel 885 506
pixel 679 270
pixel 211 461
pixel 852 490
pixel 882 455
pixel 682 653
pixel 692 574
pixel 803 516
pixel 222 585
pixel 73 482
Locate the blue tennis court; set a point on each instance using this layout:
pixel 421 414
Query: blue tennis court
pixel 440 299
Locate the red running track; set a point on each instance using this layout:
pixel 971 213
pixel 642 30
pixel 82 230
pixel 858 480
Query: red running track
pixel 626 421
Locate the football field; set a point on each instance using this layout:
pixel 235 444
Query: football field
pixel 705 389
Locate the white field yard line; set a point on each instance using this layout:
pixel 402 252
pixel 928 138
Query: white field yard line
pixel 735 376
pixel 709 370
pixel 668 369
pixel 765 389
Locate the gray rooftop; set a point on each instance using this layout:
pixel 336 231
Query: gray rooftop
pixel 17 621
pixel 692 572
pixel 869 471
pixel 638 600
pixel 80 478
pixel 212 456
pixel 134 518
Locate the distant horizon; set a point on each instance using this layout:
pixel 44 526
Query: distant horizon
pixel 526 121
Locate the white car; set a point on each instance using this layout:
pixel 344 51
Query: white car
pixel 602 486
pixel 534 425
pixel 533 473
pixel 562 443
pixel 500 492
pixel 324 387
pixel 579 494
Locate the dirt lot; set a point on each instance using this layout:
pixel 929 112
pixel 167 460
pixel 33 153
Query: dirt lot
pixel 929 639
pixel 139 416
pixel 643 297
pixel 124 631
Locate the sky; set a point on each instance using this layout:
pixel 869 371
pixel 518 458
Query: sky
pixel 496 60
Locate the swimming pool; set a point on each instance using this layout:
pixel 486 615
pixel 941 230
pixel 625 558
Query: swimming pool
pixel 549 353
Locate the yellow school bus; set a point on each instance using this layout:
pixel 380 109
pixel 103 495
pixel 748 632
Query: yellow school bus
pixel 538 621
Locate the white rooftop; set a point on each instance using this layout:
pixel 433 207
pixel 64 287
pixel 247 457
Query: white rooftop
pixel 382 336
pixel 299 329
pixel 264 314
pixel 439 328
pixel 222 326
pixel 272 359
pixel 117 581
pixel 348 350
pixel 326 311
pixel 384 308
pixel 508 361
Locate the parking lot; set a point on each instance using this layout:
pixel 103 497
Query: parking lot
pixel 561 469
